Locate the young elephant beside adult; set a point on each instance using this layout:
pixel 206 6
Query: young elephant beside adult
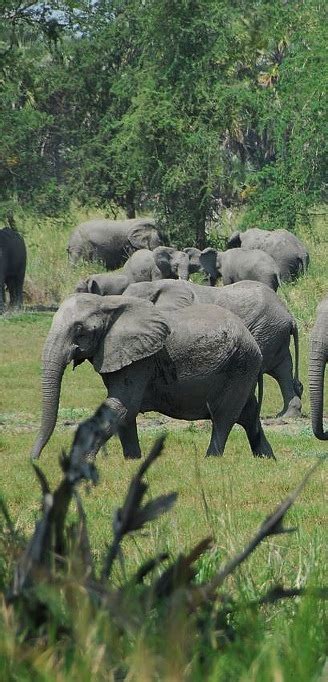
pixel 142 266
pixel 12 267
pixel 103 284
pixel 238 264
pixel 290 255
pixel 194 262
pixel 112 241
pixel 261 311
pixel 197 363
pixel 317 366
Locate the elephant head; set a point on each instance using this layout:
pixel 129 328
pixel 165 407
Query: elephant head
pixel 143 235
pixel 103 284
pixel 211 262
pixel 234 241
pixel 110 331
pixel 173 264
pixel 194 262
pixel 166 294
pixel 317 364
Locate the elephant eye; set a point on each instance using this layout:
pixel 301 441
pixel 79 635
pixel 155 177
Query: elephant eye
pixel 78 329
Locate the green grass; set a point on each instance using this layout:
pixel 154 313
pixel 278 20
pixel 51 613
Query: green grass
pixel 281 643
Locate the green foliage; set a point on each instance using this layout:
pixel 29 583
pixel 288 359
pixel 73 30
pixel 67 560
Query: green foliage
pixel 179 107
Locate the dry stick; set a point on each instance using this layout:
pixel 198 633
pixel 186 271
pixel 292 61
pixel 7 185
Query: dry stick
pixel 271 526
pixel 132 516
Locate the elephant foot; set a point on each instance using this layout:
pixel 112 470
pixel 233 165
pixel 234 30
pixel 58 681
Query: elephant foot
pixel 294 409
pixel 211 452
pixel 132 455
pixel 262 448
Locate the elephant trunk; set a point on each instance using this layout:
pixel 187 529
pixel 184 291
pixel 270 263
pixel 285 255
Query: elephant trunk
pixel 55 360
pixel 317 365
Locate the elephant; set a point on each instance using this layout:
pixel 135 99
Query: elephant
pixel 12 266
pixel 163 262
pixel 290 254
pixel 142 266
pixel 317 365
pixel 112 241
pixel 261 311
pixel 239 264
pixel 196 363
pixel 104 284
pixel 194 263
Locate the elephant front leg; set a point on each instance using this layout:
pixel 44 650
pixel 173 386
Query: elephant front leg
pixel 128 436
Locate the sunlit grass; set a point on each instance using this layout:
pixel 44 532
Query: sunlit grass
pixel 226 498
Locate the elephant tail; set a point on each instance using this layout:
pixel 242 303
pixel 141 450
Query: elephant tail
pixel 260 391
pixel 298 386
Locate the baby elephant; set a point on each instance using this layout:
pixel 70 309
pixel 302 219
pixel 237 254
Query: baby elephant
pixel 236 265
pixel 143 266
pixel 103 284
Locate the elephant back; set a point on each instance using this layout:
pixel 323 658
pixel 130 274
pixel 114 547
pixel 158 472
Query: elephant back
pixel 210 338
pixel 111 241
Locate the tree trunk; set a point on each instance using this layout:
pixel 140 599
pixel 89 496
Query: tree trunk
pixel 130 204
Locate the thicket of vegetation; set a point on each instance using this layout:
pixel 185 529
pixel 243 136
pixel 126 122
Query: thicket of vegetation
pixel 65 618
pixel 182 107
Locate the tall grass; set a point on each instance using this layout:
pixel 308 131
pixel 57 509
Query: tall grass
pixel 226 498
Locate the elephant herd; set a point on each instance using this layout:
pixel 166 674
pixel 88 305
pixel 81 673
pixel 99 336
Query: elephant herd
pixel 161 342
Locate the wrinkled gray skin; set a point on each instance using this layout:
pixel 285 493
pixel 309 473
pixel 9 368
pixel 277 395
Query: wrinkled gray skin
pixel 290 254
pixel 317 365
pixel 112 241
pixel 262 312
pixel 239 264
pixel 142 266
pixel 206 368
pixel 12 267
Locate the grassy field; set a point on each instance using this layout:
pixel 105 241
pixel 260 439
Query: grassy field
pixel 281 644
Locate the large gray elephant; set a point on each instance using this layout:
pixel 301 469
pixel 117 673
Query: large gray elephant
pixel 12 267
pixel 142 266
pixel 262 312
pixel 290 254
pixel 112 241
pixel 238 264
pixel 317 366
pixel 197 363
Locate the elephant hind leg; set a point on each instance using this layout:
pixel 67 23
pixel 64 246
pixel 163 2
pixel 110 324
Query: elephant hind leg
pixel 291 389
pixel 249 419
pixel 15 288
pixel 224 412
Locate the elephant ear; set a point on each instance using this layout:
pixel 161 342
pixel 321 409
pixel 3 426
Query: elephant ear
pixel 141 236
pixel 172 295
pixel 133 330
pixel 162 257
pixel 93 286
pixel 234 241
pixel 208 261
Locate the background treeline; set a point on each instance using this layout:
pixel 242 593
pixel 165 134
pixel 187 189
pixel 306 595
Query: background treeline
pixel 179 107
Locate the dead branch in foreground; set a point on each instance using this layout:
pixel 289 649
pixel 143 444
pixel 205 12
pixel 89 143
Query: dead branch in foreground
pixel 55 545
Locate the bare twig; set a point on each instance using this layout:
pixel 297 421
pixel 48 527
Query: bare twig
pixel 132 516
pixel 271 526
